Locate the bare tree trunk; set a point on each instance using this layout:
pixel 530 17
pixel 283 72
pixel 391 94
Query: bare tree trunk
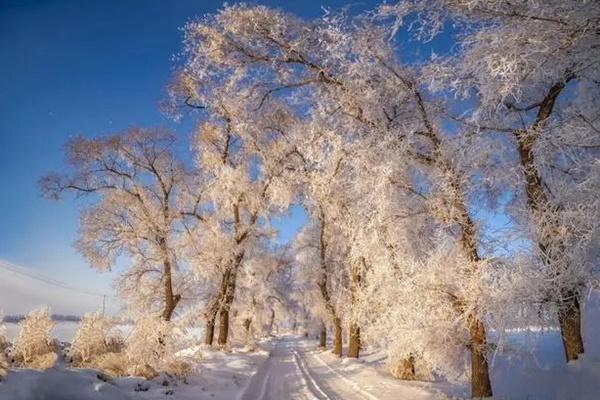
pixel 337 336
pixel 223 326
pixel 354 341
pixel 323 336
pixel 213 309
pixel 569 318
pixel 354 334
pixel 480 382
pixel 232 273
pixel 480 377
pixel 228 300
pixel 224 312
pixel 247 323
pixel 271 321
pixel 170 299
pixel 569 314
pixel 337 323
pixel 209 334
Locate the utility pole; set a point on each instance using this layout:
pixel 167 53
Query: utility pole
pixel 103 304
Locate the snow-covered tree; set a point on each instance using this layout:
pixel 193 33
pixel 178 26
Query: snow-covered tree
pixel 346 78
pixel 134 182
pixel 532 69
pixel 322 269
pixel 263 303
pixel 229 211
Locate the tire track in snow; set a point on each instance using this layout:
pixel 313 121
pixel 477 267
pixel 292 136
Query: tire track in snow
pixel 354 385
pixel 260 371
pixel 283 373
pixel 311 384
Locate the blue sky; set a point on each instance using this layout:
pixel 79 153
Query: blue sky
pixel 72 67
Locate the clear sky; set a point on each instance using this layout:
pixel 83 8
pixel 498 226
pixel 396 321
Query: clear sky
pixel 86 67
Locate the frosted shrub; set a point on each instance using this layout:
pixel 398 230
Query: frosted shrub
pixel 95 337
pixel 33 347
pixel 3 365
pixel 113 364
pixel 178 368
pixel 150 348
pixel 401 365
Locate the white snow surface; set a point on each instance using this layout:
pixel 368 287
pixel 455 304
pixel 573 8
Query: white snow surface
pixel 291 367
pixel 220 375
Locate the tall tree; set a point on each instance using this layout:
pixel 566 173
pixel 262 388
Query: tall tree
pixel 244 155
pixel 533 70
pixel 133 180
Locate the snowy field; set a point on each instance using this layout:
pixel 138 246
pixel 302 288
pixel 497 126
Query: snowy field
pixel 290 367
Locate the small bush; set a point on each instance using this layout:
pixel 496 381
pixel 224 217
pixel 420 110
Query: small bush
pixel 402 368
pixel 112 364
pixel 33 347
pixel 150 343
pixel 150 349
pixel 3 366
pixel 95 337
pixel 179 368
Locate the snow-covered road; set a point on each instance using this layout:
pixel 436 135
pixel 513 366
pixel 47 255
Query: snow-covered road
pixel 295 370
pixel 284 375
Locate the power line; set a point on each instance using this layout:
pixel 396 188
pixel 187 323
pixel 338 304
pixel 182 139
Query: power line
pixel 39 277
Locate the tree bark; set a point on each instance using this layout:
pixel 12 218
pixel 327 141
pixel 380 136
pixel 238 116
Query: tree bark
pixel 224 311
pixel 171 300
pixel 322 284
pixel 210 331
pixel 481 385
pixel 354 334
pixel 337 336
pixel 569 318
pixel 354 341
pixel 223 326
pixel 569 313
pixel 231 276
pixel 232 272
pixel 480 376
pixel 247 323
pixel 213 310
pixel 323 336
pixel 271 321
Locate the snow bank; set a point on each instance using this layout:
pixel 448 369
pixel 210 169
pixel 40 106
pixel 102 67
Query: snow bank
pixel 221 376
pixel 58 384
